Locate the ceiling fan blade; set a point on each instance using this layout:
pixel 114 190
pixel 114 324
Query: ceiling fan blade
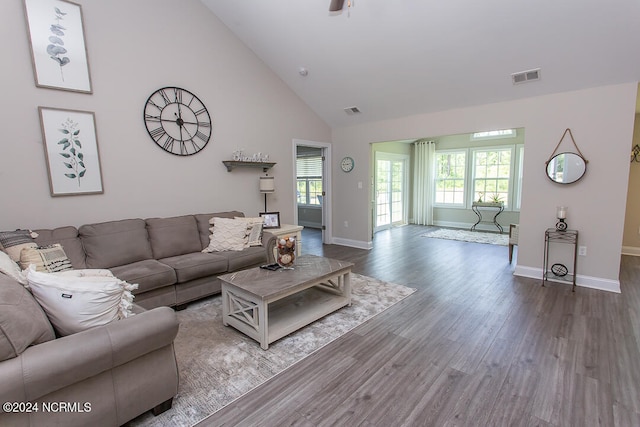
pixel 336 5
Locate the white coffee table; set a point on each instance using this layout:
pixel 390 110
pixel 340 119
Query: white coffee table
pixel 268 305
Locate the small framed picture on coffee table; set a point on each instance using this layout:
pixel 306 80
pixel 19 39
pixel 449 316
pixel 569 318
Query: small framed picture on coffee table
pixel 271 219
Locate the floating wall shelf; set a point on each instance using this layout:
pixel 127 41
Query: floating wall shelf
pixel 230 164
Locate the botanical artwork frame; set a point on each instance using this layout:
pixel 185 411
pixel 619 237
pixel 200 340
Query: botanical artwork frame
pixel 71 151
pixel 58 48
pixel 271 219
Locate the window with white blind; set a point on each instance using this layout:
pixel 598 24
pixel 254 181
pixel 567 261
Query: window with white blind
pixel 309 182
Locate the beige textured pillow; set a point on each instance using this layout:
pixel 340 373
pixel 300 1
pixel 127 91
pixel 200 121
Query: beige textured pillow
pixel 254 231
pixel 226 235
pixel 81 299
pixel 48 259
pixel 14 241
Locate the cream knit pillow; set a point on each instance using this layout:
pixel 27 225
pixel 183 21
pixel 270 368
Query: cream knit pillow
pixel 226 235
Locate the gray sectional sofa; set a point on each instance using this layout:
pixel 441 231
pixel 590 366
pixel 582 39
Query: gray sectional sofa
pixel 162 255
pixel 126 367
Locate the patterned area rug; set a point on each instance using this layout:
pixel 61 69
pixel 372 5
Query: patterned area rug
pixel 218 364
pixel 469 236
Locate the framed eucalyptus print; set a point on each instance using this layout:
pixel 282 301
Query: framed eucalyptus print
pixel 71 151
pixel 58 49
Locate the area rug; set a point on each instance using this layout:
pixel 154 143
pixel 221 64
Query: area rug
pixel 469 236
pixel 218 364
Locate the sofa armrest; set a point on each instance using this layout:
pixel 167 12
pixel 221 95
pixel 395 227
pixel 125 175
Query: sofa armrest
pixel 52 365
pixel 269 243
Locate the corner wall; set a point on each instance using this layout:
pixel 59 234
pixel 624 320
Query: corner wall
pixel 631 241
pixel 601 120
pixel 135 48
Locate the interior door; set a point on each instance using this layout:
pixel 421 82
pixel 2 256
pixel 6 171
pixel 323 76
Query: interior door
pixel 313 195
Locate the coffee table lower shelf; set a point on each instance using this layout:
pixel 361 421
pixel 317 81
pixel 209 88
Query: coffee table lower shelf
pixel 267 322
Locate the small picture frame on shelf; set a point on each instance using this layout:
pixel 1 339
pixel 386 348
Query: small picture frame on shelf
pixel 271 219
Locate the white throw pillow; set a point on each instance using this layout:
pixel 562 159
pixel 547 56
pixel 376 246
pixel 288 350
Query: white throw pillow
pixel 11 269
pixel 227 234
pixel 77 300
pixel 254 231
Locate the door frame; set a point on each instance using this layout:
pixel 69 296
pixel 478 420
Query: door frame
pixel 327 235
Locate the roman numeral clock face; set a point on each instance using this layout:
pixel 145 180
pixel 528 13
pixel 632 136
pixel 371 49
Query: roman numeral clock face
pixel 177 121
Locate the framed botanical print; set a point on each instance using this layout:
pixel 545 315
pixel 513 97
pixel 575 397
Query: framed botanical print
pixel 58 49
pixel 71 151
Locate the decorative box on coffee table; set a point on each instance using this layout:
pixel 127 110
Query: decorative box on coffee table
pixel 268 305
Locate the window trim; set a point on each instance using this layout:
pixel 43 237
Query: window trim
pixel 462 205
pixel 511 148
pixel 515 181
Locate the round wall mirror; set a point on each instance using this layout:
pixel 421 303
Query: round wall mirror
pixel 565 168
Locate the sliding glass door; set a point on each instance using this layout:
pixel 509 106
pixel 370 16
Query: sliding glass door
pixel 390 190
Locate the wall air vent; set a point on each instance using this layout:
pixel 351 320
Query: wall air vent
pixel 352 110
pixel 525 76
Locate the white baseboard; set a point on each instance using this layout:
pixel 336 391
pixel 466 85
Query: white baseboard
pixel 630 250
pixel 581 280
pixel 352 243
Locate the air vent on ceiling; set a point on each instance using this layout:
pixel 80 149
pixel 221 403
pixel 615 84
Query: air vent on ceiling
pixel 526 76
pixel 352 110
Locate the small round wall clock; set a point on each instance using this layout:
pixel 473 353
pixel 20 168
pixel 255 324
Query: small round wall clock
pixel 177 121
pixel 347 164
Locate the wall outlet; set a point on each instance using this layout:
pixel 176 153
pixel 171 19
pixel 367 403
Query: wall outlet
pixel 582 250
pixel 346 224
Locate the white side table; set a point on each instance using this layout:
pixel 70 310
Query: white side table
pixel 289 230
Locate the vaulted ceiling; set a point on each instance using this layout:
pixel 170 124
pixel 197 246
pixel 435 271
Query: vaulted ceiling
pixel 395 58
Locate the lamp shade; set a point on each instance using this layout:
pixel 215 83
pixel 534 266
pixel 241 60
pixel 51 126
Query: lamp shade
pixel 267 184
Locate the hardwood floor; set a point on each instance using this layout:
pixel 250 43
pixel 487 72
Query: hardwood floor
pixel 474 346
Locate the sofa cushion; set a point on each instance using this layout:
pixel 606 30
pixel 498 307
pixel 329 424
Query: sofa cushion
pixel 70 241
pixel 47 259
pixel 227 235
pixel 249 257
pixel 204 224
pixel 78 300
pixel 22 321
pixel 12 242
pixel 196 265
pixel 115 243
pixel 148 274
pixel 173 236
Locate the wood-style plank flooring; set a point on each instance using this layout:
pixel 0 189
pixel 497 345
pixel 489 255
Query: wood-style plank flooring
pixel 474 346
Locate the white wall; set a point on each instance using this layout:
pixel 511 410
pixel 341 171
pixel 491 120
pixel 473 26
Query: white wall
pixel 136 47
pixel 601 120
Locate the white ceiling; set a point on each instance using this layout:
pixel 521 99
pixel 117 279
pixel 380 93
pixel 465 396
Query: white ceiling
pixel 396 58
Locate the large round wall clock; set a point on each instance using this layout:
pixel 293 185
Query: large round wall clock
pixel 177 121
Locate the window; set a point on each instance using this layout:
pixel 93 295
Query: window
pixel 309 182
pixel 494 134
pixel 450 177
pixel 492 174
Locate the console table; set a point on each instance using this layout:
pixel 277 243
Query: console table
pixel 476 208
pixel 567 237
